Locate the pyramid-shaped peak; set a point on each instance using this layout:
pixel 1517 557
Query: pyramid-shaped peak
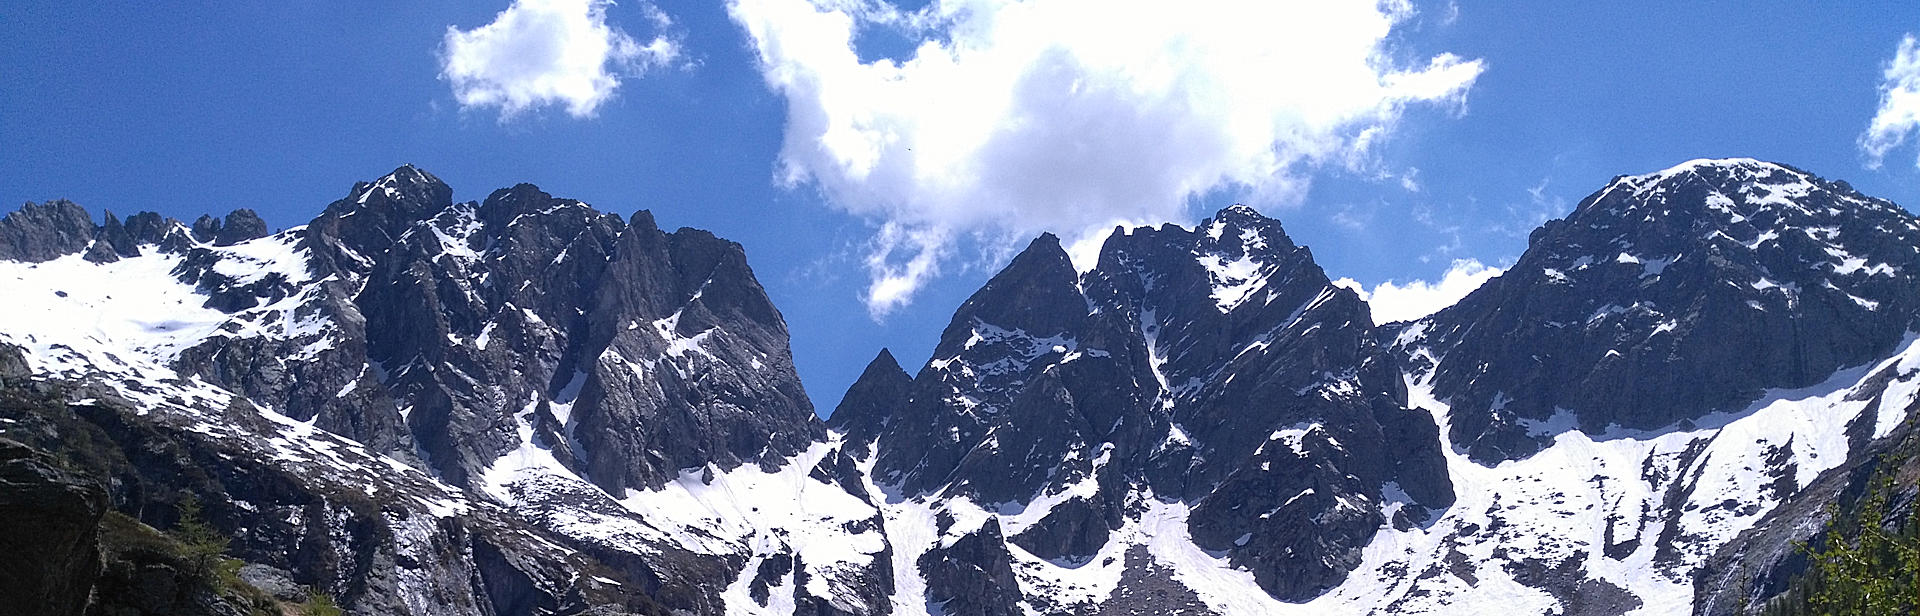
pixel 879 392
pixel 1037 291
pixel 884 362
pixel 404 195
pixel 407 173
pixel 403 183
pixel 1044 253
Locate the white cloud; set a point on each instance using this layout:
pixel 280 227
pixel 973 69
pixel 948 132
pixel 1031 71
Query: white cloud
pixel 893 282
pixel 1393 301
pixel 541 52
pixel 1899 113
pixel 1010 117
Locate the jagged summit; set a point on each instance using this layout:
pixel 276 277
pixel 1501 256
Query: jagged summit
pixel 1239 215
pixel 402 181
pixel 865 408
pixel 46 231
pixel 240 225
pixel 1215 367
pixel 1217 383
pixel 406 186
pixel 1037 292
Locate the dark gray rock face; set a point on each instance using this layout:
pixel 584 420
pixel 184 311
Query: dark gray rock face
pixel 44 231
pixel 683 310
pixel 1072 532
pixel 1019 318
pixel 863 410
pixel 1146 587
pixel 48 522
pixel 111 242
pixel 273 581
pixel 1217 365
pixel 973 574
pixel 437 327
pixel 1623 313
pixel 241 225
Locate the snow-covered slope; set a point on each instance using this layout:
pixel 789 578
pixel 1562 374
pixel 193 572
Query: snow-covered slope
pixel 1618 521
pixel 1611 523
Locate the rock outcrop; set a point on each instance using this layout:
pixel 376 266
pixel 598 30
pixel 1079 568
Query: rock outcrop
pixel 1624 314
pixel 48 525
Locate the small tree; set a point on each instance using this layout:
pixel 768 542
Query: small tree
pixel 203 545
pixel 1874 572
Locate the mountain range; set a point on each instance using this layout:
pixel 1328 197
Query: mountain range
pixel 524 405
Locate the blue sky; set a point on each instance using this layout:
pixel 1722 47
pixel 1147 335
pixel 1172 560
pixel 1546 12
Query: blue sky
pixel 732 116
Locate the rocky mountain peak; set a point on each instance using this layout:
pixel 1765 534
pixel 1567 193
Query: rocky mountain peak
pixel 1038 292
pixel 240 225
pixel 375 214
pixel 407 187
pixel 1215 365
pixel 1622 307
pixel 45 231
pixel 1235 254
pixel 432 330
pixel 1747 202
pixel 863 411
pixel 1241 230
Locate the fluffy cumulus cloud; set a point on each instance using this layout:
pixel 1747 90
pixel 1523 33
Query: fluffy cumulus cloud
pixel 1899 114
pixel 1393 301
pixel 1000 118
pixel 549 52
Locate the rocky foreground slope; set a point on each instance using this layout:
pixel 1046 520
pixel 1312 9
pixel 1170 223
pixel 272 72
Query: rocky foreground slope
pixel 523 405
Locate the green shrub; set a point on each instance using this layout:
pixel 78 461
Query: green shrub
pixel 320 604
pixel 1863 569
pixel 121 535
